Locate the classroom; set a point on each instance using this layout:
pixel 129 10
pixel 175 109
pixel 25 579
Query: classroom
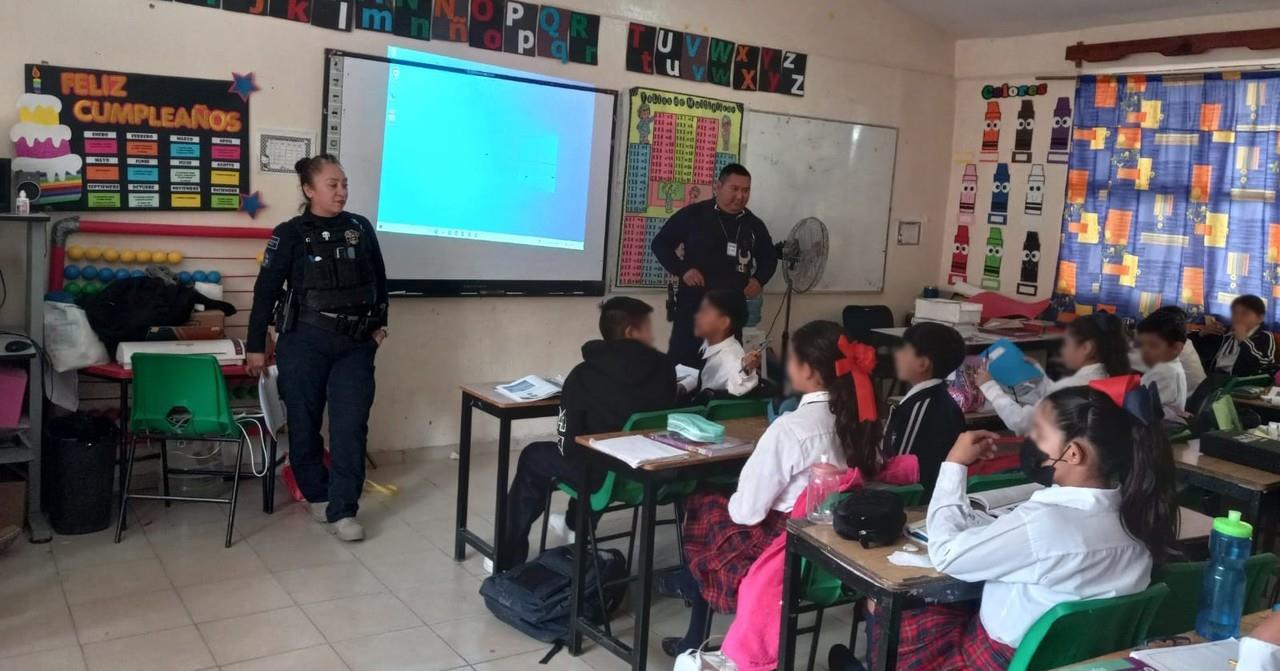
pixel 836 335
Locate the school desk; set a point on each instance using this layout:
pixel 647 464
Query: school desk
pixel 651 476
pixel 1248 623
pixel 892 337
pixel 482 396
pixel 892 588
pixel 1258 490
pixel 115 372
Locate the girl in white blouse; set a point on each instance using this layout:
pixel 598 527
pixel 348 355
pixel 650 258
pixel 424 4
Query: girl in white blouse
pixel 1095 346
pixel 1107 513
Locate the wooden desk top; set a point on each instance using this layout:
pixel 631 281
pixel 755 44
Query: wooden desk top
pixel 485 391
pixel 749 429
pixel 1247 624
pixel 1187 455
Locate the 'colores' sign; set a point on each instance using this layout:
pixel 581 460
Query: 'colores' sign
pixel 1013 90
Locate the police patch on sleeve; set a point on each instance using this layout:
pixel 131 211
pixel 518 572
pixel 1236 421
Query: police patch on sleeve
pixel 274 242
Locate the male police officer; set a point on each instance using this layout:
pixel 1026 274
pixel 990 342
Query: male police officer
pixel 330 323
pixel 725 247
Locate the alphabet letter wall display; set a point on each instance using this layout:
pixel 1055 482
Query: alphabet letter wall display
pixel 794 65
pixel 584 38
pixel 770 77
pixel 245 6
pixel 1022 136
pixel 203 3
pixel 553 33
pixel 666 52
pixel 339 14
pixel 413 19
pixel 486 24
pixel 991 265
pixel 1034 203
pixel 1029 280
pixel 746 67
pixel 449 20
pixel 376 15
pixel 991 134
pixel 293 10
pixel 519 28
pixel 999 214
pixel 693 57
pixel 640 43
pixel 1060 137
pixel 720 55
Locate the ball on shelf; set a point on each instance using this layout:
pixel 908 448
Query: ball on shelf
pixel 110 255
pixel 138 273
pixel 122 273
pixel 159 256
pixel 89 273
pixel 93 288
pixel 75 252
pixel 74 288
pixel 128 256
pixel 93 253
pixel 184 277
pixel 144 256
pixel 200 276
pixel 174 257
pixel 215 276
pixel 71 272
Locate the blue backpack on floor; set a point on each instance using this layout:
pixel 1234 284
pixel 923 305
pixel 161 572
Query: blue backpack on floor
pixel 534 597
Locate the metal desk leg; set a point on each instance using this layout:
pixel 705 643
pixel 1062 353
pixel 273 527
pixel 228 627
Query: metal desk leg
pixel 464 476
pixel 124 429
pixel 579 564
pixel 269 484
pixel 790 604
pixel 648 519
pixel 889 620
pixel 501 553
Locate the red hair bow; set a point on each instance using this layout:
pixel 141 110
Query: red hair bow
pixel 1127 392
pixel 859 360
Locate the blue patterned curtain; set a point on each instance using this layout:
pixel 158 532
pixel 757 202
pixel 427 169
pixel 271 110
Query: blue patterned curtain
pixel 1171 194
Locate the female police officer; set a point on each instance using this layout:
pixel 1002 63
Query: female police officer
pixel 331 319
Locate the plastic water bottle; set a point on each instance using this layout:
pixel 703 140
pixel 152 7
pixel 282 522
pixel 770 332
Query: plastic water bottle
pixel 1222 599
pixel 824 482
pixel 22 204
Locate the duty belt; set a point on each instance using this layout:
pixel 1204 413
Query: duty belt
pixel 350 326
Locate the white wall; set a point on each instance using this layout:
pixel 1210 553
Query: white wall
pixel 867 62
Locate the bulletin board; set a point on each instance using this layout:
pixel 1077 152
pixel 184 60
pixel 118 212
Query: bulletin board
pixel 676 146
pixel 105 140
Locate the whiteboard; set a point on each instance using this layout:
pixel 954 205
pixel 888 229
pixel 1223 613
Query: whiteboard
pixel 839 172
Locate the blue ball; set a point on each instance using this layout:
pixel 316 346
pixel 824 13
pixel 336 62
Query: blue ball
pixel 122 274
pixel 215 276
pixel 89 273
pixel 138 273
pixel 200 276
pixel 184 277
pixel 71 272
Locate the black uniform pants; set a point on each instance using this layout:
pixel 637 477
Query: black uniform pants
pixel 539 464
pixel 318 366
pixel 684 347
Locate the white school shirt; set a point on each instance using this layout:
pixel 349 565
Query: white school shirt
pixel 1017 413
pixel 1064 544
pixel 1258 655
pixel 1171 382
pixel 778 470
pixel 722 368
pixel 1191 366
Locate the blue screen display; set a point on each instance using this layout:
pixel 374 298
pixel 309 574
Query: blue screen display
pixel 485 159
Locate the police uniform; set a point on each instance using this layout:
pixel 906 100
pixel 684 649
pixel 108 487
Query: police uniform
pixel 728 249
pixel 323 280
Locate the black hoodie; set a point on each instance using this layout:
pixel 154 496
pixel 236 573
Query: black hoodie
pixel 616 379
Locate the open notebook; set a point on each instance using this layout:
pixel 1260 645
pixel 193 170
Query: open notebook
pixel 987 506
pixel 636 451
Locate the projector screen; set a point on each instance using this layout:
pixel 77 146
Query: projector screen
pixel 479 180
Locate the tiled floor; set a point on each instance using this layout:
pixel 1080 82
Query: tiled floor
pixel 287 595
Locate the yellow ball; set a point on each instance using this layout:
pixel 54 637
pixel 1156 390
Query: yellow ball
pixel 128 256
pixel 159 256
pixel 175 257
pixel 144 256
pixel 93 253
pixel 75 252
pixel 110 255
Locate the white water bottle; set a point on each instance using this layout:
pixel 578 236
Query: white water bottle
pixel 22 204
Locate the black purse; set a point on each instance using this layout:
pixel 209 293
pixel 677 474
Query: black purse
pixel 873 517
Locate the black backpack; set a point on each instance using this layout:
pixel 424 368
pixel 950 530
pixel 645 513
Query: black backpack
pixel 534 597
pixel 126 309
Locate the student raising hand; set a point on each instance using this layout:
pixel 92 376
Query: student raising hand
pixel 973 446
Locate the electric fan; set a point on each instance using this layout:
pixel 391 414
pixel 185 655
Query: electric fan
pixel 803 256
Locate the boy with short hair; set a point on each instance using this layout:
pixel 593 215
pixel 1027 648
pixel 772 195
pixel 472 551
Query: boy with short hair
pixel 726 366
pixel 1161 338
pixel 1249 348
pixel 927 420
pixel 620 375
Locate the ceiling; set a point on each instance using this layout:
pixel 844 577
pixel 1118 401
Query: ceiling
pixel 1004 18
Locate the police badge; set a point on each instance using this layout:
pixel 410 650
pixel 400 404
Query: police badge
pixel 352 236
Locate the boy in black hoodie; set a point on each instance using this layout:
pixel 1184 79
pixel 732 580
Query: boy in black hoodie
pixel 927 420
pixel 619 376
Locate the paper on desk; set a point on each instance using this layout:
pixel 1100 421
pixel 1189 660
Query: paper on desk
pixel 687 378
pixel 636 451
pixel 913 559
pixel 1199 657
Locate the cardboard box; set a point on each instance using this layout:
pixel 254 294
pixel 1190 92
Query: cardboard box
pixel 208 318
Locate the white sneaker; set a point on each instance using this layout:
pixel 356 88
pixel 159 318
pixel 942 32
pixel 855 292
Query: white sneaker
pixel 347 529
pixel 487 565
pixel 557 525
pixel 317 511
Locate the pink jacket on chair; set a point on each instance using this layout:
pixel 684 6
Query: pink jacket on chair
pixel 755 635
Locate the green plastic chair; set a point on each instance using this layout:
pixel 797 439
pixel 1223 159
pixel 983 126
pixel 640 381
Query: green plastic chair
pixel 1079 630
pixel 180 397
pixel 1186 581
pixel 719 411
pixel 986 483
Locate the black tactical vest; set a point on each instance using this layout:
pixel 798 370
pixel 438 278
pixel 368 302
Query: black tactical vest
pixel 338 273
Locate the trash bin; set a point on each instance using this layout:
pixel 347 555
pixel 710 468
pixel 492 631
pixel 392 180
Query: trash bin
pixel 80 454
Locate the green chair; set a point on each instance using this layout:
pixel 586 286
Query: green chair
pixel 180 397
pixel 1186 580
pixel 1075 631
pixel 986 483
pixel 719 411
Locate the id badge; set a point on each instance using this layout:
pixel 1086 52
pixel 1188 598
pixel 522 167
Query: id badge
pixel 731 249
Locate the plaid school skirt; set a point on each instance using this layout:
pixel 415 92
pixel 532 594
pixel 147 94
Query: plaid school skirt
pixel 947 637
pixel 721 551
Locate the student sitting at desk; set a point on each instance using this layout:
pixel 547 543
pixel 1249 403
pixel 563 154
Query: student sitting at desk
pixel 927 420
pixel 1260 650
pixel 1192 366
pixel 1108 513
pixel 1094 347
pixel 619 376
pixel 1249 349
pixel 726 368
pixel 1161 339
pixel 723 536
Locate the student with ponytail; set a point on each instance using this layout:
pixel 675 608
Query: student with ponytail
pixel 1106 516
pixel 836 421
pixel 1094 347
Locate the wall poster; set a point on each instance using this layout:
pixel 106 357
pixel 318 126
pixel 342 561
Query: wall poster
pixel 676 146
pixel 116 141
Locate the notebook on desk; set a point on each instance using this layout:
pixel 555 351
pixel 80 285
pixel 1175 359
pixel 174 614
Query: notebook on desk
pixel 636 451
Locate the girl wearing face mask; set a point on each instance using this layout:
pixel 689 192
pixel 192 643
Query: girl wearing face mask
pixel 1108 515
pixel 1094 347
